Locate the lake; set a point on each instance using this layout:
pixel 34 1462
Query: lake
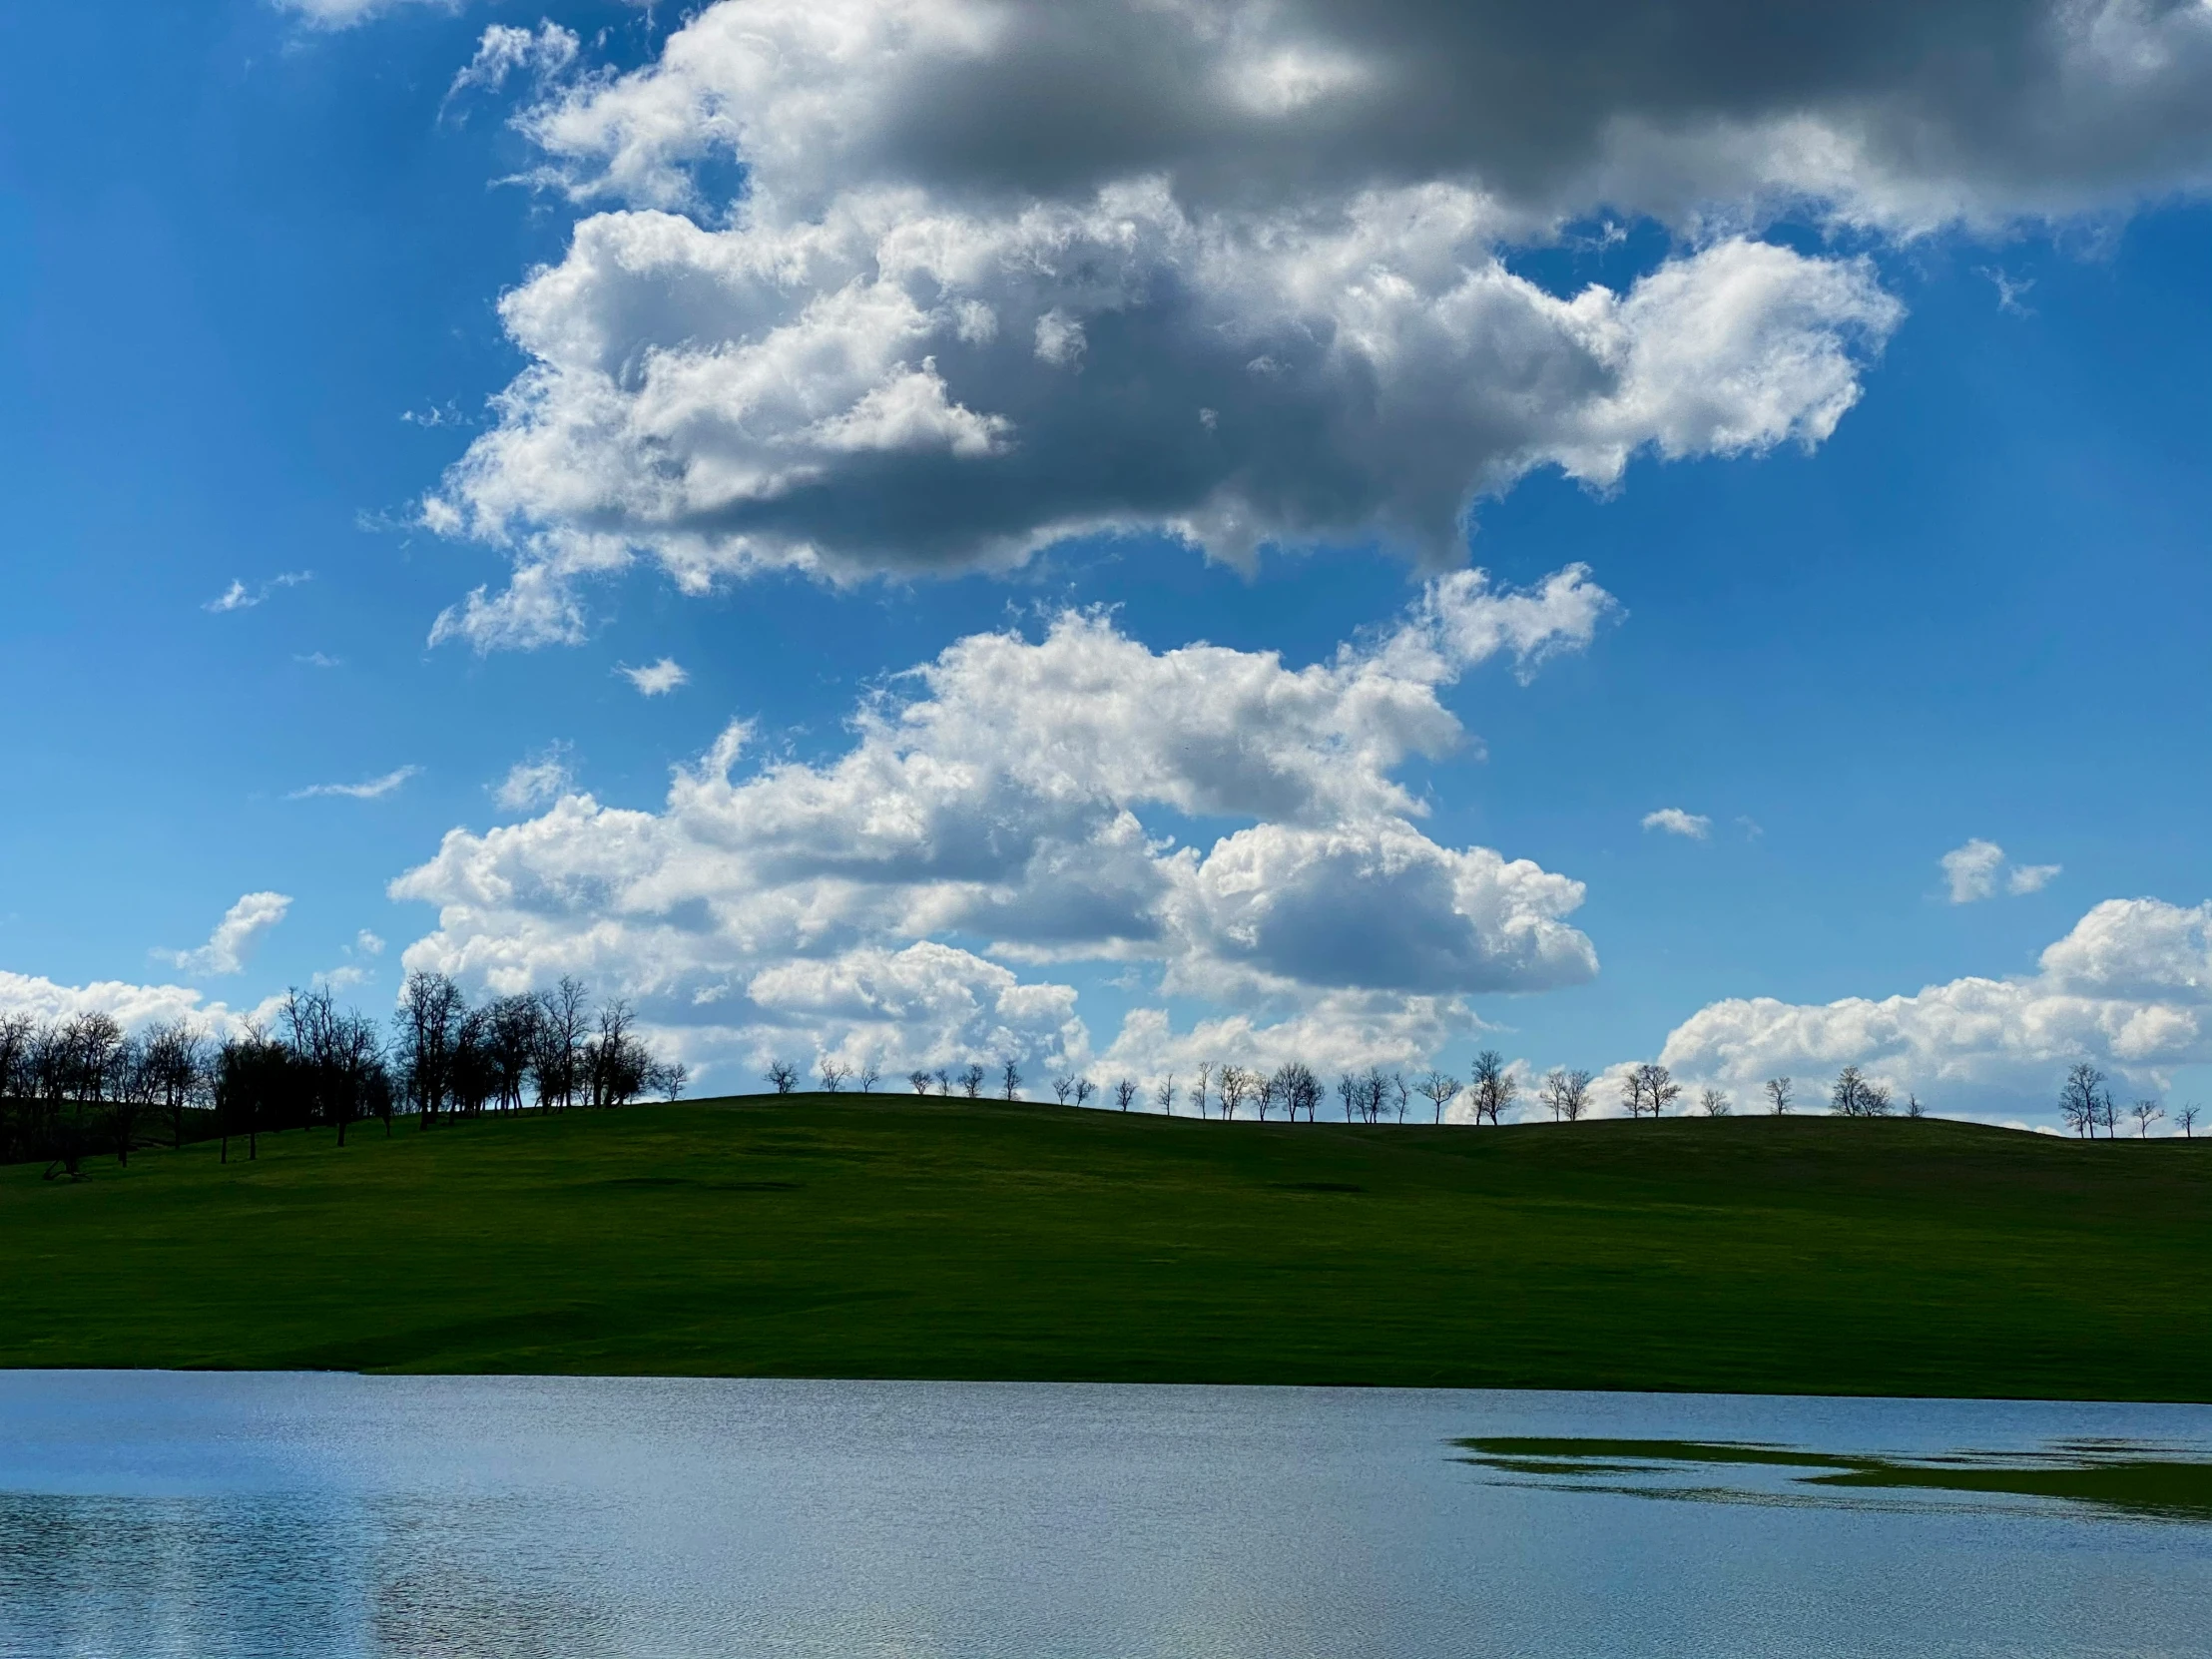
pixel 215 1517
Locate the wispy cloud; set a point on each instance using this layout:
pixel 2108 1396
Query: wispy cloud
pixel 318 659
pixel 504 50
pixel 1675 822
pixel 535 782
pixel 234 935
pixel 238 597
pixel 372 789
pixel 656 679
pixel 2010 292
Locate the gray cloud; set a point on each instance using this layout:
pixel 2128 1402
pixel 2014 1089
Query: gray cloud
pixel 1002 274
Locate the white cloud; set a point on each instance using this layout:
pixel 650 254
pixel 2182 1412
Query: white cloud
pixel 367 943
pixel 238 597
pixel 131 1006
pixel 1675 822
pixel 373 788
pixel 1975 871
pixel 656 679
pixel 235 937
pixel 505 50
pixel 993 817
pixel 2129 989
pixel 534 783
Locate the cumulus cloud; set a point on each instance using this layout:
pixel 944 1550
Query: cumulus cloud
pixel 1976 871
pixel 991 817
pixel 533 783
pixel 2128 989
pixel 1002 273
pixel 235 937
pixel 238 597
pixel 131 1006
pixel 373 788
pixel 656 679
pixel 1675 822
pixel 367 943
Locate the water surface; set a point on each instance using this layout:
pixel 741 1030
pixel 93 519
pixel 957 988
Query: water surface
pixel 148 1515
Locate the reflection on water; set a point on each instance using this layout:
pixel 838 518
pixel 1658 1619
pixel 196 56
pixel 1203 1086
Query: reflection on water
pixel 2154 1482
pixel 148 1515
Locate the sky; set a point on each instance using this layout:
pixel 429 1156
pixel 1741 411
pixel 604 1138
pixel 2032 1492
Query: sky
pixel 1125 535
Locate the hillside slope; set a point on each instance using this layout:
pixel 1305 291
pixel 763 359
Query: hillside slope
pixel 895 1237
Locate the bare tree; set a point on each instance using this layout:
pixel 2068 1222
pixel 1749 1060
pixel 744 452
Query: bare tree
pixel 1233 1090
pixel 944 1081
pixel 1440 1089
pixel 832 1076
pixel 971 1080
pixel 177 1054
pixel 247 1076
pixel 782 1076
pixel 1856 1095
pixel 2145 1113
pixel 1491 1085
pixel 2187 1118
pixel 919 1080
pixel 1163 1094
pixel 1714 1103
pixel 1779 1092
pixel 561 1043
pixel 1064 1086
pixel 2081 1098
pixel 1297 1089
pixel 1566 1094
pixel 1125 1090
pixel 1374 1094
pixel 617 1067
pixel 870 1075
pixel 1009 1077
pixel 1263 1093
pixel 132 1090
pixel 1347 1094
pixel 1913 1106
pixel 1084 1089
pixel 1204 1074
pixel 512 1041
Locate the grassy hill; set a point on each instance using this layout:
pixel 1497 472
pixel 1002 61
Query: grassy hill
pixel 893 1237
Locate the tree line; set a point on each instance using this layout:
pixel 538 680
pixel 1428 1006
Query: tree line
pixel 1225 1092
pixel 79 1087
pixel 1378 1096
pixel 2086 1104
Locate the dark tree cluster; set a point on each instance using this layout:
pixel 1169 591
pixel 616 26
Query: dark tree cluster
pixel 71 1088
pixel 76 1087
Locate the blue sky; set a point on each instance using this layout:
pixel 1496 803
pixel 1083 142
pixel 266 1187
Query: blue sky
pixel 252 265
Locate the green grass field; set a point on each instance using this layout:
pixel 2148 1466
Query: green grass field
pixel 893 1237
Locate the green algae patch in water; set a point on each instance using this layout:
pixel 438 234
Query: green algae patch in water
pixel 2119 1477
